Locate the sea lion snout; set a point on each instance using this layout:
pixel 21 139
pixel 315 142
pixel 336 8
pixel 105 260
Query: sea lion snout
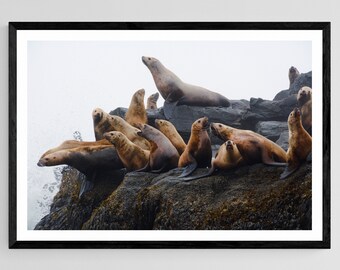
pixel 40 163
pixel 97 114
pixel 229 145
pixel 297 112
pixel 146 59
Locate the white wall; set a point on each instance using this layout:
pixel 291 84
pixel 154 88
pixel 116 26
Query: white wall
pixel 174 10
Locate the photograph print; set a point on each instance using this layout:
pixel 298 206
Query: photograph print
pixel 170 136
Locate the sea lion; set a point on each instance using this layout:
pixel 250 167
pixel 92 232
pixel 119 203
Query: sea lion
pixel 163 155
pixel 101 123
pixel 89 160
pixel 227 157
pixel 198 152
pixel 104 122
pixel 132 156
pixel 136 114
pixel 300 143
pixel 176 92
pixel 169 130
pixel 253 147
pixel 293 74
pixel 304 99
pixel 152 101
pixel 69 144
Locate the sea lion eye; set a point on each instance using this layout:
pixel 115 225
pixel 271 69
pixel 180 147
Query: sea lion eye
pixel 220 125
pixel 199 121
pixel 149 58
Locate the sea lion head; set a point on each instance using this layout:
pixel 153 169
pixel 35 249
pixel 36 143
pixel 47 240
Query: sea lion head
pixel 138 97
pixel 221 131
pixel 293 69
pixel 53 159
pixel 154 97
pixel 97 115
pixel 294 117
pixel 150 62
pixel 200 124
pixel 114 137
pixel 304 95
pixel 163 124
pixel 230 145
pixel 148 132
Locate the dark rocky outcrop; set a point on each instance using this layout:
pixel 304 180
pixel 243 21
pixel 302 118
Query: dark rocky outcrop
pixel 305 79
pixel 68 211
pixel 251 197
pixel 271 129
pixel 247 198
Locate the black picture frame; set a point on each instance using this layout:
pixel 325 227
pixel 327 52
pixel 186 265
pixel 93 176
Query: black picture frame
pixel 15 26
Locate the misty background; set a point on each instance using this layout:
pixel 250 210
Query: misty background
pixel 68 79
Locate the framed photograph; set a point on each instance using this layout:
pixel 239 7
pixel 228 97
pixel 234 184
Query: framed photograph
pixel 169 135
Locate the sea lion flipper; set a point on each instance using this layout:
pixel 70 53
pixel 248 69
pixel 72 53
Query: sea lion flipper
pixel 168 108
pixel 188 179
pixel 85 186
pixel 144 169
pixel 288 171
pixel 189 169
pixel 268 160
pixel 159 170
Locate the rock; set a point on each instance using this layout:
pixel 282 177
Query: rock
pixel 305 79
pixel 283 140
pixel 68 212
pixel 271 129
pixel 267 110
pixel 246 198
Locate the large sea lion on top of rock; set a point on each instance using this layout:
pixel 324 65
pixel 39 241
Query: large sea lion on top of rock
pixel 293 74
pixel 163 155
pixel 152 101
pixel 132 156
pixel 227 157
pixel 176 92
pixel 169 130
pixel 136 113
pixel 89 160
pixel 253 147
pixel 198 152
pixel 304 99
pixel 104 122
pixel 300 143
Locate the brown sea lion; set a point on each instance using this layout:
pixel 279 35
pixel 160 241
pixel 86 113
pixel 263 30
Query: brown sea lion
pixel 228 157
pixel 304 99
pixel 104 122
pixel 69 144
pixel 300 143
pixel 253 147
pixel 169 130
pixel 136 114
pixel 176 92
pixel 132 156
pixel 101 123
pixel 152 101
pixel 198 152
pixel 89 160
pixel 293 74
pixel 163 155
